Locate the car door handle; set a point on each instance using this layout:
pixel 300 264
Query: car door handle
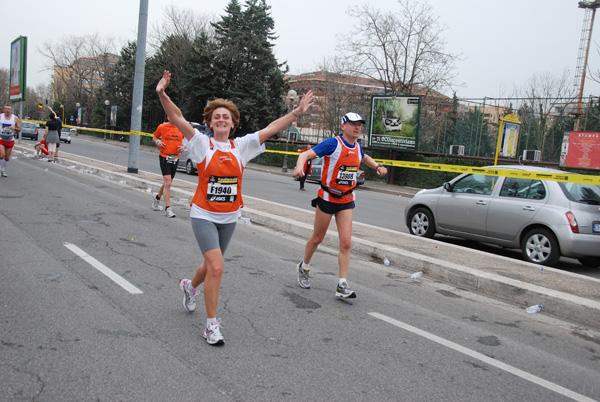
pixel 481 202
pixel 528 208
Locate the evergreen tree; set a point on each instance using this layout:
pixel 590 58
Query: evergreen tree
pixel 118 87
pixel 239 65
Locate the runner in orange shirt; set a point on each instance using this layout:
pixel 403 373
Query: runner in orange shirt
pixel 168 139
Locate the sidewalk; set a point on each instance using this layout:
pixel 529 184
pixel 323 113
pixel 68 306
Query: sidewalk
pixel 569 296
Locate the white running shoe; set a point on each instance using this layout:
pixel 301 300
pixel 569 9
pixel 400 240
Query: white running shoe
pixel 189 299
pixel 212 334
pixel 344 291
pixel 303 276
pixel 169 213
pixel 155 203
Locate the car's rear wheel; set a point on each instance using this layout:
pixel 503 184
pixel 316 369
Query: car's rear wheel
pixel 540 246
pixel 422 223
pixel 591 262
pixel 189 167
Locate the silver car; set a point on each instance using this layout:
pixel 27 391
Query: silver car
pixel 185 159
pixel 545 219
pixel 187 163
pixel 30 130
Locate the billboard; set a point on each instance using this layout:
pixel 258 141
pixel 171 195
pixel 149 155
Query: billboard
pixel 580 149
pixel 395 122
pixel 510 139
pixel 18 69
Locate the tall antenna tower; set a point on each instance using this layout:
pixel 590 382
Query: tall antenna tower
pixel 584 50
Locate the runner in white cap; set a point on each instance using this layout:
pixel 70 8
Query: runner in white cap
pixel 342 156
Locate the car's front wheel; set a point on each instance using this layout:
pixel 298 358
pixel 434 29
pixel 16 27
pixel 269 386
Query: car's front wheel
pixel 422 223
pixel 189 167
pixel 540 246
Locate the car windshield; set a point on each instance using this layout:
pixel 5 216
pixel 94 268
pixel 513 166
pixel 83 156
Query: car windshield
pixel 28 125
pixel 586 193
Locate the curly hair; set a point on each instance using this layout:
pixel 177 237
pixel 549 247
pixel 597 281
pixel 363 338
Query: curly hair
pixel 229 105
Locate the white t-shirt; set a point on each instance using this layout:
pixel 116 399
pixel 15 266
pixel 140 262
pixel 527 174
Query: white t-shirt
pixel 248 146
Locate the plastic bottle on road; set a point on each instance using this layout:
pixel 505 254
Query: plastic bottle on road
pixel 416 275
pixel 386 262
pixel 534 309
pixel 247 221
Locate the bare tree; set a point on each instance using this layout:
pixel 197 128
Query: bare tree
pixel 183 23
pixel 79 64
pixel 4 89
pixel 546 101
pixel 173 41
pixel 400 49
pixel 338 94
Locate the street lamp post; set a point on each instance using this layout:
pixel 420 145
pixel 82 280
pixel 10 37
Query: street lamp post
pixel 106 103
pixel 291 95
pixel 78 118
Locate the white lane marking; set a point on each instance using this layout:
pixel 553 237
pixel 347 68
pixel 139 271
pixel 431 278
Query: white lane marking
pixel 503 366
pixel 118 279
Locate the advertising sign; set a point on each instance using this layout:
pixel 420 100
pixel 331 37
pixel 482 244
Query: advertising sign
pixel 18 69
pixel 395 122
pixel 510 138
pixel 580 149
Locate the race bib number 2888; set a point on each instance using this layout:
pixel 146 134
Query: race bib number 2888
pixel 347 175
pixel 222 189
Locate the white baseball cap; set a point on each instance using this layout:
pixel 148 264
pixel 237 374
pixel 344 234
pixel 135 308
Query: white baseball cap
pixel 352 117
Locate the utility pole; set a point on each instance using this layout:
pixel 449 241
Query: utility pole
pixel 582 56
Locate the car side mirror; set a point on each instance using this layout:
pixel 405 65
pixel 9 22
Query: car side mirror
pixel 448 187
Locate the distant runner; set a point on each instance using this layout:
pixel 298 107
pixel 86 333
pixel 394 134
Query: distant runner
pixel 10 126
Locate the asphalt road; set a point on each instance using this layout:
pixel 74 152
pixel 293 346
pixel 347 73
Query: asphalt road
pixel 377 209
pixel 71 332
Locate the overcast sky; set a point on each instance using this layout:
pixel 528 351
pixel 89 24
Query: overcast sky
pixel 503 43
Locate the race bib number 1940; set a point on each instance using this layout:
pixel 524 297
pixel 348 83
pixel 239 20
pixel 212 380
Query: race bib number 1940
pixel 222 189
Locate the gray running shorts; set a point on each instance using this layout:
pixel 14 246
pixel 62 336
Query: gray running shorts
pixel 211 235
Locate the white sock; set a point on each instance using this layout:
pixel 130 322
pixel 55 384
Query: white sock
pixel 305 266
pixel 190 288
pixel 212 321
pixel 3 163
pixel 341 280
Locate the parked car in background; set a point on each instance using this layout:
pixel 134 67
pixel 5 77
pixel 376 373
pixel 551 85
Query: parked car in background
pixel 185 159
pixel 187 163
pixel 65 134
pixel 545 219
pixel 30 130
pixel 317 167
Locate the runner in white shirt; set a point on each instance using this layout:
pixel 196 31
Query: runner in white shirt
pixel 10 125
pixel 218 199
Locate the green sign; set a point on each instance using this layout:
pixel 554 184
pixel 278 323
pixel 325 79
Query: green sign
pixel 18 69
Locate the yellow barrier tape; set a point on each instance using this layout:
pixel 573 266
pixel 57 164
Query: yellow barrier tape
pixel 565 177
pixel 98 130
pixel 524 174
